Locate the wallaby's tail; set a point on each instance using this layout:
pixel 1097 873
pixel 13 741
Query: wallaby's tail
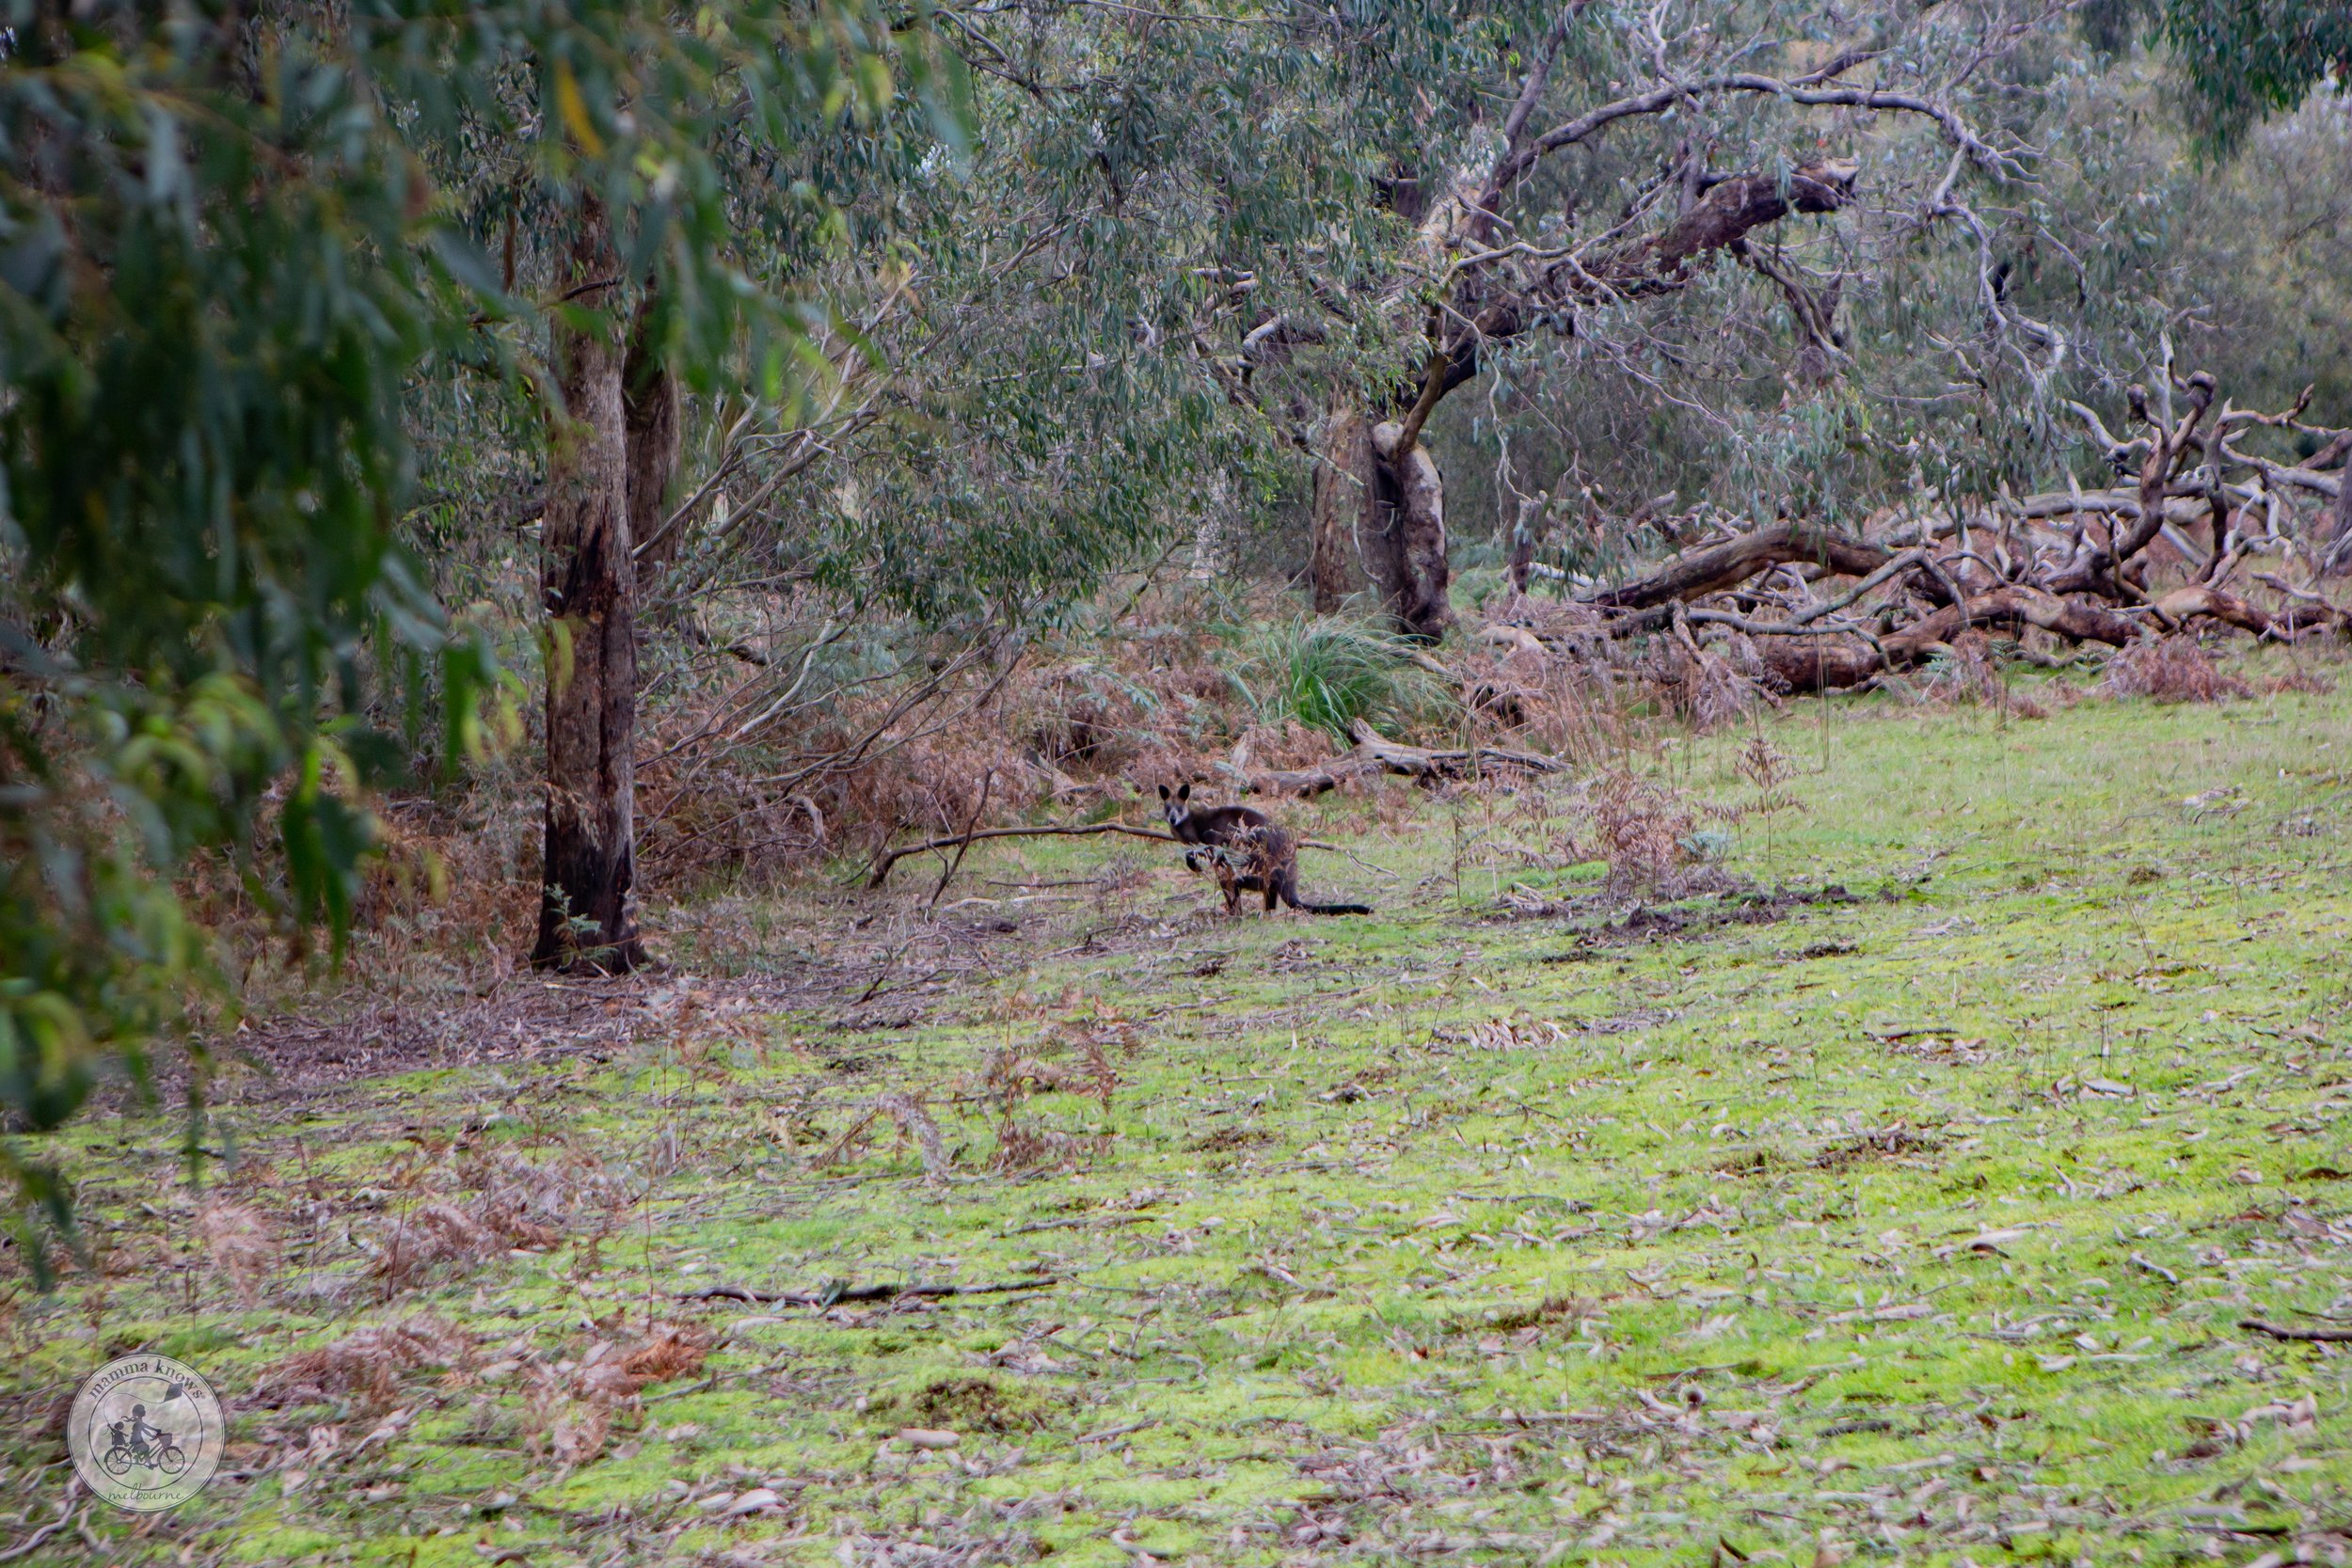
pixel 1334 909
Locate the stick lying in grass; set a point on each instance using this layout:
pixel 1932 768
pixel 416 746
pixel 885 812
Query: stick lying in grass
pixel 2280 1331
pixel 953 841
pixel 889 858
pixel 828 1296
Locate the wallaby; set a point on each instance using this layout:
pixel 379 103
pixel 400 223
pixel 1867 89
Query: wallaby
pixel 1248 851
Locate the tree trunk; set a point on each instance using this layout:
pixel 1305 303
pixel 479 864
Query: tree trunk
pixel 1379 524
pixel 2335 519
pixel 589 586
pixel 1344 511
pixel 649 393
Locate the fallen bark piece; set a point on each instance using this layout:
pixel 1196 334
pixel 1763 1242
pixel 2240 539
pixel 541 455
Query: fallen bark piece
pixel 831 1294
pixel 925 1438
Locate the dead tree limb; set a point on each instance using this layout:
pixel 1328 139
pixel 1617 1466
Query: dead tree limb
pixel 2284 1331
pixel 831 1294
pixel 1732 562
pixel 2183 605
pixel 1375 754
pixel 889 858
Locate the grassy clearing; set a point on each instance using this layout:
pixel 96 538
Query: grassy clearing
pixel 1914 1221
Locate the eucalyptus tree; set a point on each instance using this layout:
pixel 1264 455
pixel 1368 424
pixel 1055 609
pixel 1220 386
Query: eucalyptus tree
pixel 642 174
pixel 1606 158
pixel 1042 383
pixel 2243 61
pixel 1333 217
pixel 224 269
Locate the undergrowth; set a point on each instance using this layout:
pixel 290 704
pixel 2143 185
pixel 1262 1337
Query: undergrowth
pixel 1901 1190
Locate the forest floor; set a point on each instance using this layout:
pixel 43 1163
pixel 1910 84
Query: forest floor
pixel 1902 1196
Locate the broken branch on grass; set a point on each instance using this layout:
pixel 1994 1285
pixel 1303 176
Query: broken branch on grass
pixel 889 858
pixel 835 1293
pixel 1375 753
pixel 2282 1331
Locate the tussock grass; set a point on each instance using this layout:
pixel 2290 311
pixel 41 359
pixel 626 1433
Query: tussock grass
pixel 1326 672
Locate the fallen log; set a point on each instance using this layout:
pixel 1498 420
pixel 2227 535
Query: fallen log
pixel 1822 665
pixel 1819 664
pixel 1732 562
pixel 2013 606
pixel 2185 604
pixel 1306 783
pixel 889 858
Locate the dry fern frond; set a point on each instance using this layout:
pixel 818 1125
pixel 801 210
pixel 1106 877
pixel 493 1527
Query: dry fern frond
pixel 2170 670
pixel 240 1245
pixel 365 1366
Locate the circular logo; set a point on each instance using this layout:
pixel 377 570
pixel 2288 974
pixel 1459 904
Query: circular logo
pixel 146 1432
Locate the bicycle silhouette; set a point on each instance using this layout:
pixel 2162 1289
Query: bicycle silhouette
pixel 142 1447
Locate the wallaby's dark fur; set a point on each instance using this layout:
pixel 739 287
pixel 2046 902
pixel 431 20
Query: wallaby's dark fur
pixel 1245 850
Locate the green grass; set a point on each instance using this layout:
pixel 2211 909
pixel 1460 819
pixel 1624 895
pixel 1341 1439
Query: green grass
pixel 1920 1226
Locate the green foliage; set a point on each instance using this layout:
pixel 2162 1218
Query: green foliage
pixel 1328 673
pixel 211 291
pixel 224 270
pixel 1059 326
pixel 2243 59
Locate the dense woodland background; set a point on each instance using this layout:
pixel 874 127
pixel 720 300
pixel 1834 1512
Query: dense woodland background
pixel 467 467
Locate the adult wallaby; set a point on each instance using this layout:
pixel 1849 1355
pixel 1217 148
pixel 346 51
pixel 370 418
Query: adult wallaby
pixel 1247 850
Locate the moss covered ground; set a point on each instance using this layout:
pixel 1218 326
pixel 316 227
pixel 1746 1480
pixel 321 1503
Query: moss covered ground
pixel 1897 1193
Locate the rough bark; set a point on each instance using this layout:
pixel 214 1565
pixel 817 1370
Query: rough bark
pixel 1817 663
pixel 1343 508
pixel 1412 493
pixel 649 392
pixel 589 584
pixel 1379 524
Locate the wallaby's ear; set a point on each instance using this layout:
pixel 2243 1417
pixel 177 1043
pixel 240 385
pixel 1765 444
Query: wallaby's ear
pixel 1185 793
pixel 1163 792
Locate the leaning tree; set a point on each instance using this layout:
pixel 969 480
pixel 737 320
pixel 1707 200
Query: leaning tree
pixel 1610 158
